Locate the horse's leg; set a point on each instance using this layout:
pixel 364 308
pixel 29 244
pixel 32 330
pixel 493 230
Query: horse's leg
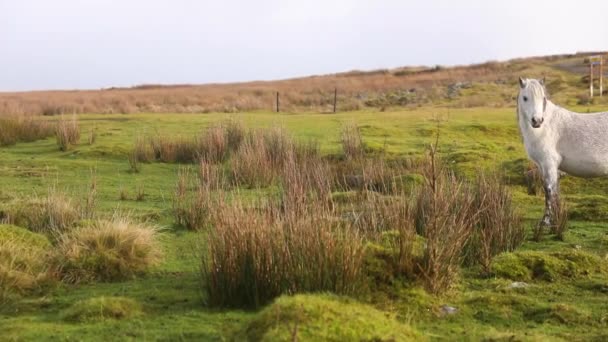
pixel 551 188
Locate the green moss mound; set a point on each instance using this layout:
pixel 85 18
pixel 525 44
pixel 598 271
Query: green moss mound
pixel 325 318
pixel 102 308
pixel 548 266
pixel 24 267
pixel 23 236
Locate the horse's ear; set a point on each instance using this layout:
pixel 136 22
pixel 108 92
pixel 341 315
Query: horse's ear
pixel 522 82
pixel 542 81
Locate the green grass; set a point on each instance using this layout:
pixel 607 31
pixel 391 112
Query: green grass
pixel 569 308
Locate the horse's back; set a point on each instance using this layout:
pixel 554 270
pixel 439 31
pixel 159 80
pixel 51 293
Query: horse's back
pixel 583 145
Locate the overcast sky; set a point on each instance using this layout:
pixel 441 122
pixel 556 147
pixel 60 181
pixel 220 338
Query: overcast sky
pixel 67 44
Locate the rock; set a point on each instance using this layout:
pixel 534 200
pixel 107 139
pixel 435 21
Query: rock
pixel 448 310
pixel 518 285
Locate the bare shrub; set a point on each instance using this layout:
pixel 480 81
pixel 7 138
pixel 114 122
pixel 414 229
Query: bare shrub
pixel 446 217
pixel 352 143
pixel 499 227
pixel 67 132
pixel 108 250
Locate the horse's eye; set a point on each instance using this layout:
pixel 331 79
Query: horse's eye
pixel 525 98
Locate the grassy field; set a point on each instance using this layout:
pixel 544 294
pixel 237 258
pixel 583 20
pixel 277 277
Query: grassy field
pixel 572 306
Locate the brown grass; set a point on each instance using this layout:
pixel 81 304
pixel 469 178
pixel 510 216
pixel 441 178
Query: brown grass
pixel 108 250
pixel 446 216
pixel 352 143
pixel 499 227
pixel 356 89
pixel 192 201
pixel 67 133
pixel 23 128
pixel 45 214
pixel 560 224
pixel 255 255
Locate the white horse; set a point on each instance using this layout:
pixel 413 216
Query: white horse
pixel 557 139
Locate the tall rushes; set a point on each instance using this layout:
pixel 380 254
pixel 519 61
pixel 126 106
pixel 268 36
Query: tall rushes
pixel 255 255
pixel 499 227
pixel 352 143
pixel 214 144
pixel 192 209
pixel 67 132
pixel 446 218
pixel 258 251
pixel 24 128
pixel 304 179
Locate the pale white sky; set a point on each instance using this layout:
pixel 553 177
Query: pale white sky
pixel 66 44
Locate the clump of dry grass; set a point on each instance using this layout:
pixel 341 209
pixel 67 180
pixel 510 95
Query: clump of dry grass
pixel 213 145
pixel 67 132
pixel 192 209
pixel 250 165
pixel 108 250
pixel 142 150
pixel 25 128
pixel 178 149
pixel 560 224
pixel 533 179
pixel 254 255
pixel 48 214
pixel 499 227
pixel 352 143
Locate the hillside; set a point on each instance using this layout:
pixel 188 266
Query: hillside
pixel 490 84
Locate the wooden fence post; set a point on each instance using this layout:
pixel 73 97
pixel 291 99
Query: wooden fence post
pixel 335 98
pixel 278 108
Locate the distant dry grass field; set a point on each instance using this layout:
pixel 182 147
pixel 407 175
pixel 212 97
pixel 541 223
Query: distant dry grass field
pixel 487 84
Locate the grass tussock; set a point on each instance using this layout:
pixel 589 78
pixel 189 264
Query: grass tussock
pixel 23 128
pixel 102 308
pixel 192 200
pixel 108 250
pixel 255 255
pixel 560 224
pixel 47 214
pixel 352 142
pixel 67 133
pixel 24 266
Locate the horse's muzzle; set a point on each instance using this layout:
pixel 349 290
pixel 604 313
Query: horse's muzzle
pixel 537 122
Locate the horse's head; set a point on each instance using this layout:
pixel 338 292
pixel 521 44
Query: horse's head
pixel 532 101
